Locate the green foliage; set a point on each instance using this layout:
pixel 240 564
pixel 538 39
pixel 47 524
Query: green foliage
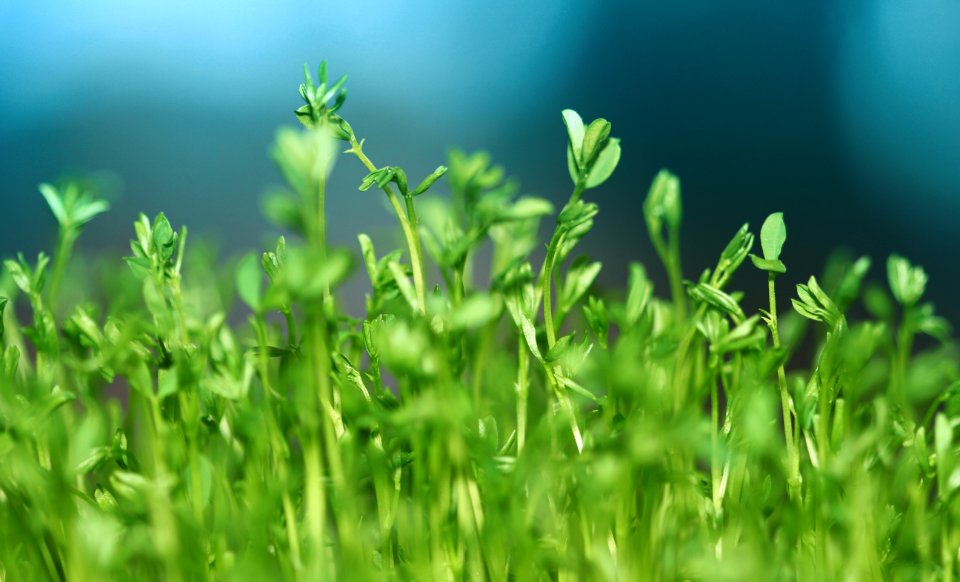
pixel 71 205
pixel 486 415
pixel 907 282
pixel 592 154
pixel 814 304
pixel 773 234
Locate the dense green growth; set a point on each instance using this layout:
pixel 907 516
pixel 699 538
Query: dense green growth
pixel 523 426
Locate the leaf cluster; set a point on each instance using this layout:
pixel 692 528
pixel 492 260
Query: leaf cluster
pixel 492 412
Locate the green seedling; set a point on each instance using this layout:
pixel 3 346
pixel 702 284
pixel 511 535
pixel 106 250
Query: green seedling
pixel 487 413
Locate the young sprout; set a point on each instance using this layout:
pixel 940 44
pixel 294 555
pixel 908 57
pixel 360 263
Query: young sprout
pixel 773 234
pixel 187 420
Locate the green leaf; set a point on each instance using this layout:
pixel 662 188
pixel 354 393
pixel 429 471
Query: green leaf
pixel 383 176
pixel 283 209
pixel 223 384
pixel 3 307
pixel 576 213
pixel 369 256
pixel 371 331
pixel 249 281
pixel 53 198
pixel 164 239
pixel 143 229
pixel 773 234
pixel 95 459
pixel 575 133
pixel 705 293
pixel 733 255
pixel 605 163
pixel 488 432
pixel 167 383
pixel 305 157
pixel 403 282
pixel 878 303
pixel 771 266
pixel 273 351
pixel 308 272
pixel 429 181
pixel 85 327
pixel 54 401
pixel 40 273
pixel 815 304
pixel 808 402
pixel 119 447
pixel 398 176
pixel 580 276
pixel 559 348
pixel 85 212
pixel 572 166
pixel 370 179
pixel 818 293
pixel 529 335
pixel 139 266
pixel 20 274
pixel 598 318
pixel 105 500
pixel 577 388
pixel 594 139
pixel 849 288
pixel 156 303
pixel 11 361
pixel 28 280
pixel 475 311
pixel 924 320
pixel 663 203
pixel 271 264
pixel 304 113
pixel 907 282
pixel 639 292
pixel 946 458
pixel 524 209
pixel 162 231
pixel 405 348
pixel 746 335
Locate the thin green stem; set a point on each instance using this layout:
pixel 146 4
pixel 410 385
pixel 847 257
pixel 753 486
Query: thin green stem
pixel 291 326
pixel 549 264
pixel 65 240
pixel 407 224
pixel 946 548
pixel 178 307
pixel 457 285
pixel 793 457
pixel 547 286
pixel 675 273
pixel 904 347
pixel 322 214
pixel 715 470
pixel 563 398
pixel 314 493
pixel 523 391
pixel 669 254
pixel 415 231
pixel 681 370
pixel 277 445
pixel 480 363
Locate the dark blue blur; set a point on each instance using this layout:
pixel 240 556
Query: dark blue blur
pixel 846 116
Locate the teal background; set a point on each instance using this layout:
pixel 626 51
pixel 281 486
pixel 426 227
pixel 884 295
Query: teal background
pixel 846 116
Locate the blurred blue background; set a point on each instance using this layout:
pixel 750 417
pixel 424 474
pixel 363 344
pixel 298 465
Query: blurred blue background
pixel 846 116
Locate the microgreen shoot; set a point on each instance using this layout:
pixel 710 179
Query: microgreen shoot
pixel 522 425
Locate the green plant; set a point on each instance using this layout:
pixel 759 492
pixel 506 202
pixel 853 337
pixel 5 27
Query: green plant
pixel 525 425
